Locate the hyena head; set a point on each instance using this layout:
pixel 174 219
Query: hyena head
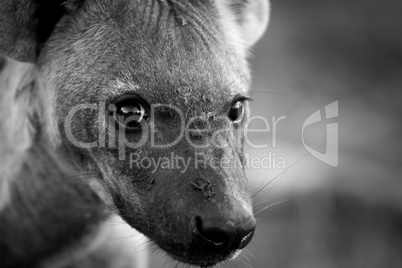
pixel 152 95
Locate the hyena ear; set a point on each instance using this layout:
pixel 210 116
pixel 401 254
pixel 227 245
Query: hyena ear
pixel 252 18
pixel 25 25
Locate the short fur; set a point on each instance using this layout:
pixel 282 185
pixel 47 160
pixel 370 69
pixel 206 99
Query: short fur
pixel 191 54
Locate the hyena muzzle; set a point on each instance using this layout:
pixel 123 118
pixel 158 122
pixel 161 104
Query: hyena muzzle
pixel 144 103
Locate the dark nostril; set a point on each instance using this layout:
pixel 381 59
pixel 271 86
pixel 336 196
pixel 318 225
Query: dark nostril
pixel 222 236
pixel 213 235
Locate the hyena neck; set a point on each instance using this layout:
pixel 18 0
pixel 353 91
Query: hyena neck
pixel 50 206
pixel 51 209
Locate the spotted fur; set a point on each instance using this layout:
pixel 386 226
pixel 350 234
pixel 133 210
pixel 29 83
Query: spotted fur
pixel 57 200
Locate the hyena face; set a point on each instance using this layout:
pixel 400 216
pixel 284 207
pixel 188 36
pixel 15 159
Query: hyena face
pixel 153 96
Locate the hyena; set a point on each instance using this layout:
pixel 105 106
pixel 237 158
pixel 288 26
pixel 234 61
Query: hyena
pixel 95 96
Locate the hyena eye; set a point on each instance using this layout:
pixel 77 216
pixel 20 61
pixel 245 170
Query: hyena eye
pixel 236 112
pixel 131 113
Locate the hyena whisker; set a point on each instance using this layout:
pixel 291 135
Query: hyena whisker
pixel 235 261
pixel 243 261
pixel 270 206
pixel 177 264
pixel 261 203
pixel 142 248
pixel 262 188
pixel 253 245
pixel 277 178
pixel 123 237
pixel 248 254
pixel 134 244
pixel 274 181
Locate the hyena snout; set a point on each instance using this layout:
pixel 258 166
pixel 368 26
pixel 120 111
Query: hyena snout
pixel 223 230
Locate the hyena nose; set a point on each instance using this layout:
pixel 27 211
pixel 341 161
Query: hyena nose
pixel 214 233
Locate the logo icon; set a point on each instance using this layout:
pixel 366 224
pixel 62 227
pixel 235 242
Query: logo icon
pixel 330 156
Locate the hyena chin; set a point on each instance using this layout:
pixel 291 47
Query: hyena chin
pixel 134 108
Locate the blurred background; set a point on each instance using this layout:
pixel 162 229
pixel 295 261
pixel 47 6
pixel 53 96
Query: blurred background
pixel 311 214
